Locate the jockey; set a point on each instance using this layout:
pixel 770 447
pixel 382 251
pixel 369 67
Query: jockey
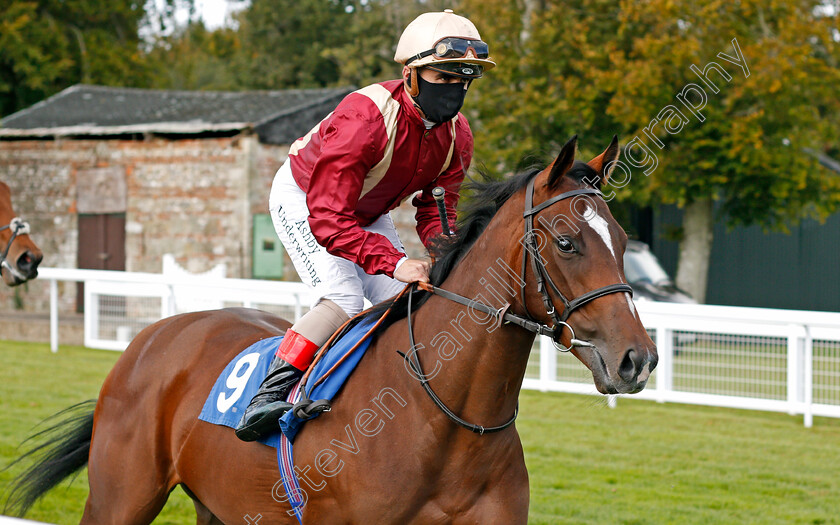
pixel 330 201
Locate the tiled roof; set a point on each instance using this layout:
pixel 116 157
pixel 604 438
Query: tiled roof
pixel 277 116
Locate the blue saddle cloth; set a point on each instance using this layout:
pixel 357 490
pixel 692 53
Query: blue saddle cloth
pixel 242 377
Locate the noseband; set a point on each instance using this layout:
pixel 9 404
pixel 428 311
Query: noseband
pixel 18 227
pixel 542 276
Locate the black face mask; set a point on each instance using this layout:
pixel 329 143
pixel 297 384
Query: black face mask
pixel 440 102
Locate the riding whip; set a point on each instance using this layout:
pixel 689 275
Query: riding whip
pixel 438 193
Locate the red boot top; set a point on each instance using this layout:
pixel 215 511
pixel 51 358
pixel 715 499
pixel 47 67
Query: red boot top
pixel 297 350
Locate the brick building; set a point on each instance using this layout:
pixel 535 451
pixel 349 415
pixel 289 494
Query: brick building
pixel 114 178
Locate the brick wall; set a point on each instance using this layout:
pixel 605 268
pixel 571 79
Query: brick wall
pixel 192 198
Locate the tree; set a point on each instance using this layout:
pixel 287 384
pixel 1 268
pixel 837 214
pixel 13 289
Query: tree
pixel 314 43
pixel 594 67
pixel 48 45
pixel 745 157
pixel 193 57
pixel 285 42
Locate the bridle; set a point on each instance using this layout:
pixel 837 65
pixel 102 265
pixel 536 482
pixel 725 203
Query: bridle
pixel 18 227
pixel 503 316
pixel 542 276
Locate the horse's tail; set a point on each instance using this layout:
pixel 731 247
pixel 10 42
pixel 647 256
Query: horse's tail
pixel 59 451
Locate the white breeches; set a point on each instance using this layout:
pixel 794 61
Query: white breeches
pixel 333 278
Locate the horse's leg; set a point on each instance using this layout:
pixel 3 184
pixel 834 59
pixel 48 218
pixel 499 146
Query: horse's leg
pixel 204 516
pixel 202 513
pixel 127 487
pixel 130 466
pixel 505 498
pixel 112 509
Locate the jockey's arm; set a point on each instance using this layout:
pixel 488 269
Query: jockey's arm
pixel 428 219
pixel 334 190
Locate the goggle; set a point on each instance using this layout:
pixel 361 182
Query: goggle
pixel 454 47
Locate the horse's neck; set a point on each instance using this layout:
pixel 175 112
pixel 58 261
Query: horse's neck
pixel 481 364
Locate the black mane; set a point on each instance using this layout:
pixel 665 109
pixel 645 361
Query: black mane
pixel 487 196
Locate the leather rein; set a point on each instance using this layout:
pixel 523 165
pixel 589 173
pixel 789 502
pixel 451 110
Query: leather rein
pixel 502 315
pixel 18 227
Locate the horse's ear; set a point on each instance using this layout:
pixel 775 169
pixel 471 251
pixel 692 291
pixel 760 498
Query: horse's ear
pixel 562 163
pixel 604 163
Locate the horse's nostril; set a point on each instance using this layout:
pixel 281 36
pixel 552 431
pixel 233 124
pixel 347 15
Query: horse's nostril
pixel 627 370
pixel 28 262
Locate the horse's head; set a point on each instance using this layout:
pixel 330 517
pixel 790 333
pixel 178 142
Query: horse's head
pixel 19 256
pixel 575 247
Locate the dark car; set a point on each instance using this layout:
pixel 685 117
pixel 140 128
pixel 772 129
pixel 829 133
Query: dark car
pixel 647 277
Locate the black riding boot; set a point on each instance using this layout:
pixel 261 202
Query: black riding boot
pixel 269 403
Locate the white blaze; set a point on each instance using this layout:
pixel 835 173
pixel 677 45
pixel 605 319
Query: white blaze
pixel 630 303
pixel 599 224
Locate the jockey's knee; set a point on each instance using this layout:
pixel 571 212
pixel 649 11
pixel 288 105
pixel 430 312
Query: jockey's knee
pixel 319 323
pixel 351 304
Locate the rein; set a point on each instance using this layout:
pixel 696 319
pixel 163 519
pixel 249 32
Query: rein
pixel 414 361
pixel 18 227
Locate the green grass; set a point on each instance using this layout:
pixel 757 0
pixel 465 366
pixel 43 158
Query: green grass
pixel 648 463
pixel 34 384
pixel 641 463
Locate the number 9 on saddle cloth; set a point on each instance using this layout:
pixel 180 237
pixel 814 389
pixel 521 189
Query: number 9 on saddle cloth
pixel 241 378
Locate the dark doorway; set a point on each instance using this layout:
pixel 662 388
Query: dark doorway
pixel 101 246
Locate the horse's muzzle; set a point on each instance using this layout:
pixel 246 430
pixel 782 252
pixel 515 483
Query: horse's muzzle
pixel 24 268
pixel 629 377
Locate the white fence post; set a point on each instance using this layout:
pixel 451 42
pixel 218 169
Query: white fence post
pixel 809 380
pixel 665 368
pixel 795 368
pixel 53 315
pixel 167 302
pixel 91 303
pixel 548 362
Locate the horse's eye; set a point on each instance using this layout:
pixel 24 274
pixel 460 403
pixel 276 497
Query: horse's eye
pixel 565 245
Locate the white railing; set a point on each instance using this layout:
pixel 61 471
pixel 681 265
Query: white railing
pixel 751 358
pixel 120 304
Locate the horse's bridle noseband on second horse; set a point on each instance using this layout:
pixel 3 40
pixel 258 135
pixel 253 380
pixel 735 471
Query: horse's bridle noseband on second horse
pixel 18 227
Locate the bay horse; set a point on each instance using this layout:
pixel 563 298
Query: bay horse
pixel 19 256
pixel 386 453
